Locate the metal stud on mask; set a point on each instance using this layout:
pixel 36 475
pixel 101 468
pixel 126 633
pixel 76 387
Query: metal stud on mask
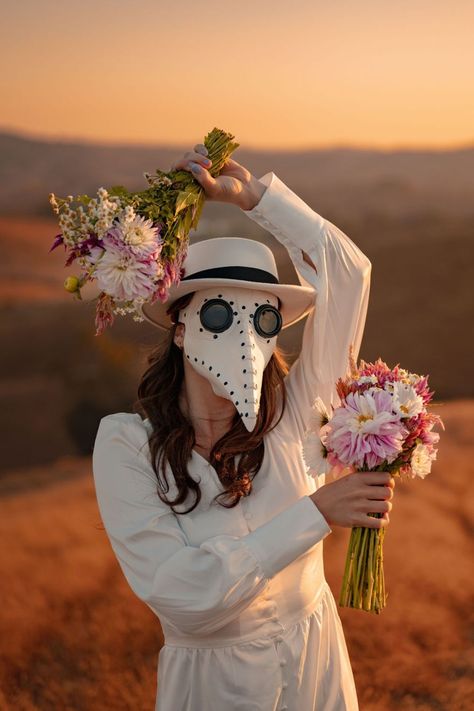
pixel 230 336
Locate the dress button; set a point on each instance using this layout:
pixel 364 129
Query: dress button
pixel 279 638
pixel 284 685
pixel 282 662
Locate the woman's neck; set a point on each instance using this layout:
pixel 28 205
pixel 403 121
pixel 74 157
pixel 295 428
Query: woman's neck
pixel 210 414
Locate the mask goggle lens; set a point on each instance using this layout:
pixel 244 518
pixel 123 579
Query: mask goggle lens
pixel 216 316
pixel 267 320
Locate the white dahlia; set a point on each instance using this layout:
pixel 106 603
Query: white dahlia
pixel 137 233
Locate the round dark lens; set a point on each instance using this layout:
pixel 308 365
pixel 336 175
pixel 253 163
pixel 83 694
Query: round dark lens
pixel 267 321
pixel 216 315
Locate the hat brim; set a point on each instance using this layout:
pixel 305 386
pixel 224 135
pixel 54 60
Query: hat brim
pixel 296 301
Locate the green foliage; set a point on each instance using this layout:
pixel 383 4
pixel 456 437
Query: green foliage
pixel 185 199
pixel 120 191
pixel 176 198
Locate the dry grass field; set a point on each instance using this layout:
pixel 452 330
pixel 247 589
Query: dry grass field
pixel 74 637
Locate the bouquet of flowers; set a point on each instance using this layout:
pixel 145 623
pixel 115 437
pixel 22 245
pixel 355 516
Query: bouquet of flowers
pixel 381 424
pixel 134 243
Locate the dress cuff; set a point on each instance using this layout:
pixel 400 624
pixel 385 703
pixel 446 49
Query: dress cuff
pixel 287 535
pixel 283 213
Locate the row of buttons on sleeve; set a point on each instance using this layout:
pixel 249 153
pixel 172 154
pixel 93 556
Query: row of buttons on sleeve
pixel 258 213
pixel 282 664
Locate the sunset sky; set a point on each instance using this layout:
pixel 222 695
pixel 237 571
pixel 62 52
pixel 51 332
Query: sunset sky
pixel 276 74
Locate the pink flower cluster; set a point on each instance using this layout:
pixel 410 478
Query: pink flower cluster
pixel 173 273
pixel 382 421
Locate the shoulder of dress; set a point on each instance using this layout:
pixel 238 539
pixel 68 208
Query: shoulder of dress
pixel 121 445
pixel 123 418
pixel 129 425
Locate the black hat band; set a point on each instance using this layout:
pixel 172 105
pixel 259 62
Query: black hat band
pixel 242 273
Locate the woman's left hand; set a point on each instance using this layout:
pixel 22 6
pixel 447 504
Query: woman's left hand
pixel 234 184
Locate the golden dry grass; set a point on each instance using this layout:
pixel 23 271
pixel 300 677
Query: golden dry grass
pixel 73 635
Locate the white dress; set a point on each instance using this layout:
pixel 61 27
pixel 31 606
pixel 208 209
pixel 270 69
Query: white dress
pixel 249 621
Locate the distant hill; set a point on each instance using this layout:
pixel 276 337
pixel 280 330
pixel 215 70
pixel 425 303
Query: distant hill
pixel 344 182
pixel 412 213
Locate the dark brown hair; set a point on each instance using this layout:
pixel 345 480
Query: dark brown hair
pixel 173 436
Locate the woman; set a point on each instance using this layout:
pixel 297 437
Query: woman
pixel 207 501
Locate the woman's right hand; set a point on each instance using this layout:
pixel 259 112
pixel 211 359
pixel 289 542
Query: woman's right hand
pixel 347 501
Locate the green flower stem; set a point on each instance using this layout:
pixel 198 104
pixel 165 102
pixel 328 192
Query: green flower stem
pixel 379 600
pixel 360 569
pixel 370 570
pixel 357 546
pixel 365 578
pixel 373 569
pixel 345 590
pixel 357 569
pixel 360 532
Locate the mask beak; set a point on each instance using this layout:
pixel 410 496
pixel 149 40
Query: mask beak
pixel 234 360
pixel 244 388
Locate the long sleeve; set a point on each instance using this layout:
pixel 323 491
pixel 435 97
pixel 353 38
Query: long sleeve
pixel 342 285
pixel 196 589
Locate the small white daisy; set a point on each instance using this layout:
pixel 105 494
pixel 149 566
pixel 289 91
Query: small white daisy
pixel 406 402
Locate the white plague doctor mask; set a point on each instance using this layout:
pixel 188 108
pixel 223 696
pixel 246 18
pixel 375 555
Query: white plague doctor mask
pixel 230 336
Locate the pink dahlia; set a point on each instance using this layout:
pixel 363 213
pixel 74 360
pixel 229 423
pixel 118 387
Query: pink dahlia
pixel 364 431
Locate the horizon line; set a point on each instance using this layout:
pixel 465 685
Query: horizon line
pixel 129 143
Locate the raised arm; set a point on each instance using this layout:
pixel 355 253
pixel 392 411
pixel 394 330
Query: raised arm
pixel 200 589
pixel 341 279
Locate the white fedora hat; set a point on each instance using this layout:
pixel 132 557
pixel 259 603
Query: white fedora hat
pixel 237 261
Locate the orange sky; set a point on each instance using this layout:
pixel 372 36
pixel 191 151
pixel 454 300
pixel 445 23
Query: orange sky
pixel 276 74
